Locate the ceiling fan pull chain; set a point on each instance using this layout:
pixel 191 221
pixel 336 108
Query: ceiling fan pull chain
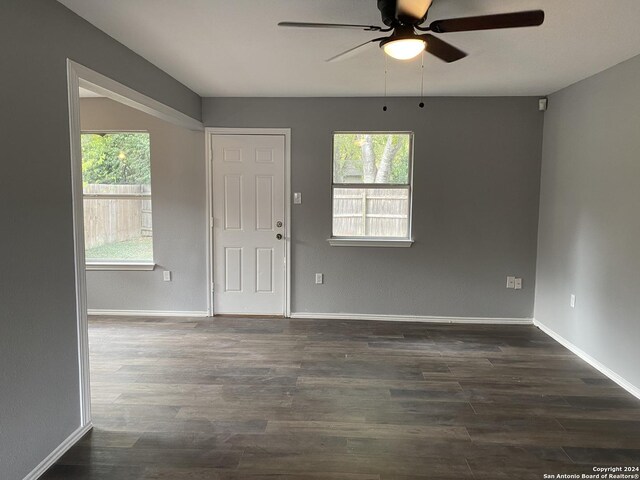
pixel 384 107
pixel 421 104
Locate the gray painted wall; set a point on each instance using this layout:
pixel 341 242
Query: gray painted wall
pixel 589 222
pixel 477 170
pixel 179 217
pixel 39 395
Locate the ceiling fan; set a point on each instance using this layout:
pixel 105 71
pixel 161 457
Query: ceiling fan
pixel 404 19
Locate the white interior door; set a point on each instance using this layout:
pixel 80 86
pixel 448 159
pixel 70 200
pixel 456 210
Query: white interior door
pixel 248 224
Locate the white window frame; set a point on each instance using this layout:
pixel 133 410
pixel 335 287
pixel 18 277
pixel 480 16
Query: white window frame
pixel 338 241
pixel 121 265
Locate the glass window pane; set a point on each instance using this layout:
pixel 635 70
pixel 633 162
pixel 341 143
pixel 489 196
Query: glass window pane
pixel 371 212
pixel 116 174
pixel 371 158
pixel 118 229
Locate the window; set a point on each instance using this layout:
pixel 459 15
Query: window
pixel 116 175
pixel 371 189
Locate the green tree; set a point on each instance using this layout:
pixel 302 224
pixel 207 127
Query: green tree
pixel 376 158
pixel 116 158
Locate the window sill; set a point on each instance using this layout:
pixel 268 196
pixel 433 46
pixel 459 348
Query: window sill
pixel 369 242
pixel 124 266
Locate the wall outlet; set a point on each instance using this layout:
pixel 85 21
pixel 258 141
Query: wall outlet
pixel 511 282
pixel 166 275
pixel 319 278
pixel 518 284
pixel 572 301
pixel 297 198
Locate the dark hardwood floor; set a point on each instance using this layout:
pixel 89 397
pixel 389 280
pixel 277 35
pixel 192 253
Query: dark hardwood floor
pixel 232 398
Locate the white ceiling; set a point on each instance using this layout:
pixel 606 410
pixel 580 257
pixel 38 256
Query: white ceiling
pixel 234 48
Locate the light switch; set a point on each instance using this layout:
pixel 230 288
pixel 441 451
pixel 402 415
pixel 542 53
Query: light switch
pixel 517 284
pixel 511 282
pixel 297 198
pixel 572 301
pixel 319 278
pixel 166 275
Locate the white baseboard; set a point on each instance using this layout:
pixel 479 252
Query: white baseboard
pixel 628 386
pixel 60 450
pixel 146 313
pixel 414 318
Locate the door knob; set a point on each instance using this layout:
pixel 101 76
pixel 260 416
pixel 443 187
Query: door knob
pixel 278 224
pixel 279 236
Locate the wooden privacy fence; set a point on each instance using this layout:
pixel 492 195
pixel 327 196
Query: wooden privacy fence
pixel 371 212
pixel 116 213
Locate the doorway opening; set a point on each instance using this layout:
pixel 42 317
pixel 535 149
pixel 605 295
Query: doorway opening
pixel 111 190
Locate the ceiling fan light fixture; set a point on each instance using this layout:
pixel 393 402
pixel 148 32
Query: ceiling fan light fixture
pixel 404 48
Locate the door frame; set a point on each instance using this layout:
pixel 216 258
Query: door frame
pixel 210 134
pixel 80 76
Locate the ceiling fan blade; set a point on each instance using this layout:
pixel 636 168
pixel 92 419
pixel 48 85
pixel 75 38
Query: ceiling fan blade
pixel 412 10
pixel 441 49
pixel 367 28
pixel 352 51
pixel 532 18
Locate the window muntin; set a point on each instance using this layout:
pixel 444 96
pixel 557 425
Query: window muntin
pixel 116 173
pixel 371 189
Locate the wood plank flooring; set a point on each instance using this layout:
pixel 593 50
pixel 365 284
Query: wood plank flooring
pixel 233 398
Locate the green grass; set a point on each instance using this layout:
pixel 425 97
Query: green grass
pixel 136 249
